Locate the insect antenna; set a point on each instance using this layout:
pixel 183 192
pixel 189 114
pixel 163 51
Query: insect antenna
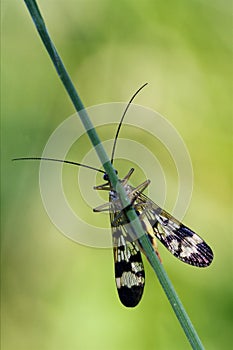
pixel 60 161
pixel 121 121
pixel 84 165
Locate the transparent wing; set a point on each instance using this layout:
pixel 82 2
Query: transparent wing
pixel 182 242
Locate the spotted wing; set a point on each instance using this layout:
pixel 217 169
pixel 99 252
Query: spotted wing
pixel 182 242
pixel 129 269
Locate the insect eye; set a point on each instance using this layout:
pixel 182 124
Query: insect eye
pixel 105 177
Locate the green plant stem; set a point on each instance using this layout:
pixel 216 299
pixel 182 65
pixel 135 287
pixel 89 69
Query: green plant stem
pixel 130 212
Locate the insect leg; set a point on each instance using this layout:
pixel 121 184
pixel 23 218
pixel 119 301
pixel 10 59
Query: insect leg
pixel 103 207
pixel 126 178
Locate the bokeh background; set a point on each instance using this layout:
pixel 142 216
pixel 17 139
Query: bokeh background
pixel 57 294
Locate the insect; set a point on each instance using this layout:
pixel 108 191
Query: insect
pixel 181 241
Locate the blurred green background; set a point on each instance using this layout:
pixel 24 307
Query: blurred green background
pixel 57 294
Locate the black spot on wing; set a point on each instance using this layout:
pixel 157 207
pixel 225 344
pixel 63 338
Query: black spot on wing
pixel 130 297
pixel 184 244
pixel 129 273
pixel 126 266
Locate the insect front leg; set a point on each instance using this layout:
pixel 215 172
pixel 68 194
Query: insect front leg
pixel 103 207
pixel 126 178
pixel 104 187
